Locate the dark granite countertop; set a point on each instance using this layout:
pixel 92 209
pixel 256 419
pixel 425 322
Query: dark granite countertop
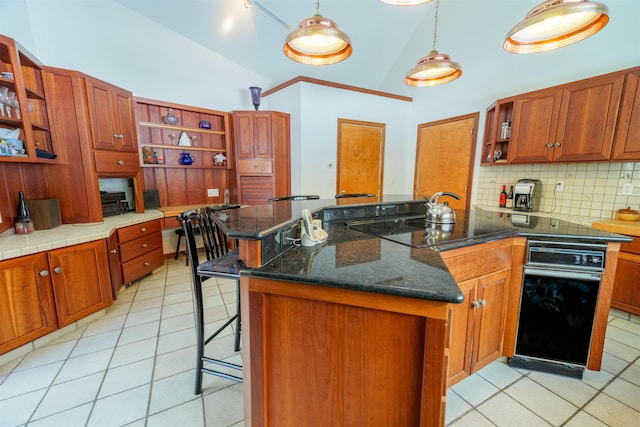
pixel 404 264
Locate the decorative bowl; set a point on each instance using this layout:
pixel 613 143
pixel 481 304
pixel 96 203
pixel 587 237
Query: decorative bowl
pixel 628 214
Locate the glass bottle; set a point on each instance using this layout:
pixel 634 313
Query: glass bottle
pixel 22 223
pixel 510 198
pixel 503 196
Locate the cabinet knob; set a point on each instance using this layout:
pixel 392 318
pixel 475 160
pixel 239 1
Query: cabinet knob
pixel 146 264
pixel 556 144
pixel 143 229
pixel 476 304
pixel 121 162
pixel 44 273
pixel 549 144
pixel 483 302
pixel 58 270
pixel 144 245
pixel 113 251
pixel 118 135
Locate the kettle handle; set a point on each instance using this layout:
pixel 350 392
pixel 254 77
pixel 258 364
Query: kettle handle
pixel 434 198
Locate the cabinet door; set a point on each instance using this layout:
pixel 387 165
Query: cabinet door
pixel 535 118
pixel 114 264
pixel 489 318
pixel 81 280
pixel 27 309
pixel 255 189
pixel 461 331
pixel 243 134
pixel 627 139
pixel 587 120
pixel 102 127
pixel 124 134
pixel 262 135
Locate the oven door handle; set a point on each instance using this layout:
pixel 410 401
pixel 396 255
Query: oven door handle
pixel 563 274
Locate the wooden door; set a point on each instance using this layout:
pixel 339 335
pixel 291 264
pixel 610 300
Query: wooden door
pixel 27 311
pixel 99 101
pixel 627 138
pixel 535 121
pixel 489 318
pixel 444 158
pixel 461 334
pixel 587 120
pixel 360 157
pixel 81 280
pixel 123 120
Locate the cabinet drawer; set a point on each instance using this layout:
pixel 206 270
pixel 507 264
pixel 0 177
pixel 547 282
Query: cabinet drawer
pixel 138 267
pixel 116 162
pixel 137 247
pixel 132 232
pixel 255 166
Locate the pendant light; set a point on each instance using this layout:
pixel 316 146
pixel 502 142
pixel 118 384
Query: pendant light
pixel 317 41
pixel 405 2
pixel 555 24
pixel 435 68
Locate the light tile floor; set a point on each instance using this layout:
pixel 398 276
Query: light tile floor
pixel 134 366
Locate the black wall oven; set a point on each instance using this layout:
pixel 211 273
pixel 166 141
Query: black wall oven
pixel 560 290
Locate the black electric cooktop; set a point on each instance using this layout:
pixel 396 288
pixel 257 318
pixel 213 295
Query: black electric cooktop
pixel 417 233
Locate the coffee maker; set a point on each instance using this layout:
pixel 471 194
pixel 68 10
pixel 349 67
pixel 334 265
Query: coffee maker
pixel 526 195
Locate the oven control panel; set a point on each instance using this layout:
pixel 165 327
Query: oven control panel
pixel 590 256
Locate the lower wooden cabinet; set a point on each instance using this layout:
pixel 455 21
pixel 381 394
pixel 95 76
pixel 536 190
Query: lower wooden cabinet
pixel 81 280
pixel 626 287
pixel 478 324
pixel 138 252
pixel 40 293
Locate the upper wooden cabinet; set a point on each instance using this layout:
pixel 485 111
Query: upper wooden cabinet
pixel 627 140
pixel 263 157
pixel 253 134
pixel 23 106
pixel 111 114
pixel 569 123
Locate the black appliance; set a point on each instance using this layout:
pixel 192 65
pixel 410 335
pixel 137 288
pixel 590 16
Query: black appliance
pixel 560 289
pixel 114 203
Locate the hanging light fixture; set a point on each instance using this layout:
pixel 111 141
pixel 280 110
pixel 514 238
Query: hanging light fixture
pixel 405 2
pixel 255 96
pixel 317 41
pixel 555 24
pixel 435 68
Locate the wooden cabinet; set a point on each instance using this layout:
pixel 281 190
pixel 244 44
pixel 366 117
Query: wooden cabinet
pixel 27 111
pixel 42 292
pixel 263 157
pixel 111 115
pixel 206 132
pixel 81 280
pixel 569 123
pixel 478 324
pixel 626 287
pixel 495 148
pixel 627 139
pixel 139 251
pixel 27 309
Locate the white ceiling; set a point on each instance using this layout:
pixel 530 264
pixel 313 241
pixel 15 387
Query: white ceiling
pixel 382 35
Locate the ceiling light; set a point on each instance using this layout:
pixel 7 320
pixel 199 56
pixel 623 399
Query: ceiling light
pixel 405 2
pixel 317 41
pixel 555 24
pixel 435 68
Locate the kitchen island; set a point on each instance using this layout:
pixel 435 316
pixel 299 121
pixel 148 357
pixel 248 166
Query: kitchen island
pixel 356 330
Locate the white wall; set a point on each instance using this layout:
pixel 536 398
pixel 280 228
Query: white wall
pixel 314 133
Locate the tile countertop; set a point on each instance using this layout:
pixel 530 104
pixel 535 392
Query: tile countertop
pixel 16 245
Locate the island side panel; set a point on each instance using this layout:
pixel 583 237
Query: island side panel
pixel 341 356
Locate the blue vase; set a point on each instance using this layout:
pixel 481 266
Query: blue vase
pixel 186 159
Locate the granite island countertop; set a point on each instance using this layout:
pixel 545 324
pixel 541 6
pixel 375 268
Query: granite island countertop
pixel 356 260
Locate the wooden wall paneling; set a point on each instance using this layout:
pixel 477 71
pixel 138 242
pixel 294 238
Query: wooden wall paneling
pixel 6 208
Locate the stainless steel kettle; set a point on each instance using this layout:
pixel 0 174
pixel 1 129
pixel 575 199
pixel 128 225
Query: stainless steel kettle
pixel 440 213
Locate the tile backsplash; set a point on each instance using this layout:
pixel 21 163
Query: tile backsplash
pixel 590 189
